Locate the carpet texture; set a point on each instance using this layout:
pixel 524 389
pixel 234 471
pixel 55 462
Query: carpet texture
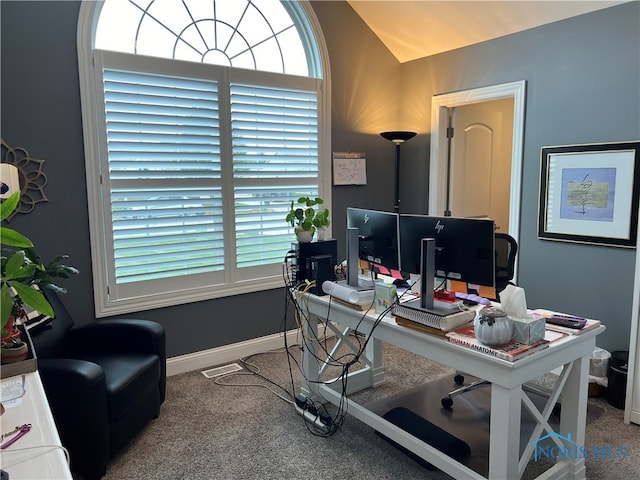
pixel 211 431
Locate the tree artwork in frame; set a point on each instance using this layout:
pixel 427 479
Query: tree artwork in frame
pixel 589 193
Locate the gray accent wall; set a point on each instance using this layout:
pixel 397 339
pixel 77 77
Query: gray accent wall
pixel 582 87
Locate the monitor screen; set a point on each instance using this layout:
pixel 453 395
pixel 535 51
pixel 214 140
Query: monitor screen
pixel 464 247
pixel 377 236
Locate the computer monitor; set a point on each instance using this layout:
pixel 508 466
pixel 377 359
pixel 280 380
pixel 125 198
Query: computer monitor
pixel 464 249
pixel 377 236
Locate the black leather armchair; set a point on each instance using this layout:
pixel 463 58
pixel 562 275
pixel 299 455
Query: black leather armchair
pixel 104 381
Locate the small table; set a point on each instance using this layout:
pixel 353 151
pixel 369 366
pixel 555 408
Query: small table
pixel 572 353
pixel 39 453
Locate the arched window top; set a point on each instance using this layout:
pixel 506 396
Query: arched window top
pixel 264 35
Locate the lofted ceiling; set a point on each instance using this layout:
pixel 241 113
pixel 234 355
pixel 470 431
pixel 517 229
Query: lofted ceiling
pixel 417 29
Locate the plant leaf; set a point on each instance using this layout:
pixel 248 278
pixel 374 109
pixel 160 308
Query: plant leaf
pixel 32 297
pixel 9 205
pixel 14 239
pixel 6 305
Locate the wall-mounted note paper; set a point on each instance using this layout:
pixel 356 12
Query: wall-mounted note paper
pixel 349 168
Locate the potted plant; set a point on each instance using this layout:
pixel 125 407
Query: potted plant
pixel 321 222
pixel 305 219
pixel 21 270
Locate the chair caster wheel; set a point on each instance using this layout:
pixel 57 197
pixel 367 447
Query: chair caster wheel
pixel 447 402
pixel 459 379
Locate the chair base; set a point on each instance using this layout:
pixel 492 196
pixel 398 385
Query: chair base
pixel 447 402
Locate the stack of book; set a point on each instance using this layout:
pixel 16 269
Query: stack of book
pixel 512 351
pixel 409 314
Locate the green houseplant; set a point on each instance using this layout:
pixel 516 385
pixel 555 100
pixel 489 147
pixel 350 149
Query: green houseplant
pixel 306 219
pixel 21 270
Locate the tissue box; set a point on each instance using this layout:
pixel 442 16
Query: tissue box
pixel 386 295
pixel 529 329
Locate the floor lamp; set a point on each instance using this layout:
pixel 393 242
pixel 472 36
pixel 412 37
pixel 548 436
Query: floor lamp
pixel 398 138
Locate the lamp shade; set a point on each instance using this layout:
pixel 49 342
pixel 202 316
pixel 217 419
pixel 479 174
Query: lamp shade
pixel 398 137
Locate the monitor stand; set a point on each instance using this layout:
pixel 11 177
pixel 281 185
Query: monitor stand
pixel 353 280
pixel 427 274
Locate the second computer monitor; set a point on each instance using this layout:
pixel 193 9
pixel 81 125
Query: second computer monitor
pixel 377 236
pixel 464 248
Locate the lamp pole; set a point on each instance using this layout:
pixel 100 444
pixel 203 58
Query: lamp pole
pixel 398 138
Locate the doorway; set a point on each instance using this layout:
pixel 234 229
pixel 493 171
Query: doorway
pixel 447 175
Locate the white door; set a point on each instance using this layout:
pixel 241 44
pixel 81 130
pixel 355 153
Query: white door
pixel 481 161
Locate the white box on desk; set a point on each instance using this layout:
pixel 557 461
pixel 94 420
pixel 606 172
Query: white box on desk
pixel 386 295
pixel 528 329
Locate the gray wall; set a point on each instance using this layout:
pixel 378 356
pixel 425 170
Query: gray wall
pixel 582 74
pixel 583 78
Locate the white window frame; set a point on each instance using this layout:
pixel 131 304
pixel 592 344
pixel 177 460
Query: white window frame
pixel 91 92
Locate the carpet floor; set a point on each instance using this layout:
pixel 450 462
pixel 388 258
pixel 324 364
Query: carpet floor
pixel 245 427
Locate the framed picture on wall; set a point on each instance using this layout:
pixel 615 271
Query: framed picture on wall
pixel 589 193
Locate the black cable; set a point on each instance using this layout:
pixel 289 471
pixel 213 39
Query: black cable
pixel 323 355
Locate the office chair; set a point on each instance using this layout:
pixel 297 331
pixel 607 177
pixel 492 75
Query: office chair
pixel 506 250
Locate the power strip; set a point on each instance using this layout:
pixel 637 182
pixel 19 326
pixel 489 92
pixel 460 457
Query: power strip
pixel 313 419
pixel 317 420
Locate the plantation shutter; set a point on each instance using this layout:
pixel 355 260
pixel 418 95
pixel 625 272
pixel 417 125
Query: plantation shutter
pixel 163 141
pixel 275 160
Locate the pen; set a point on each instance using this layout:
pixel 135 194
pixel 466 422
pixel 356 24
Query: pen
pixel 23 431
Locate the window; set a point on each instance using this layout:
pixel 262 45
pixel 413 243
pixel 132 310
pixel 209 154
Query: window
pixel 203 120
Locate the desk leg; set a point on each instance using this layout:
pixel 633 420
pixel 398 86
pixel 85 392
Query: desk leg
pixel 573 414
pixel 310 368
pixel 374 355
pixel 504 439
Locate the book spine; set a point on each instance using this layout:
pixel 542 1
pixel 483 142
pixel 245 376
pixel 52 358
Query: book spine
pixel 418 316
pixel 419 326
pixel 480 348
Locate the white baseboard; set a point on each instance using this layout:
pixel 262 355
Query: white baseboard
pixel 230 353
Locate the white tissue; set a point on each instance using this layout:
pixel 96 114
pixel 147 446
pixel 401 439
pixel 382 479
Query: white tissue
pixel 513 302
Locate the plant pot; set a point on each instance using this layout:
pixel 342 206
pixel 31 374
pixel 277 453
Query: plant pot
pixel 322 232
pixel 14 360
pixel 304 236
pixel 14 354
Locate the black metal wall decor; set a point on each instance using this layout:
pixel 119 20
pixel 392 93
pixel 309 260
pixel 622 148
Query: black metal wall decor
pixel 23 173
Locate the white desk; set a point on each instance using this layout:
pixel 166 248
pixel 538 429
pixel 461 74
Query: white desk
pixel 37 454
pixel 506 380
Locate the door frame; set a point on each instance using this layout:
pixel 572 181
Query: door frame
pixel 632 405
pixel 440 105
